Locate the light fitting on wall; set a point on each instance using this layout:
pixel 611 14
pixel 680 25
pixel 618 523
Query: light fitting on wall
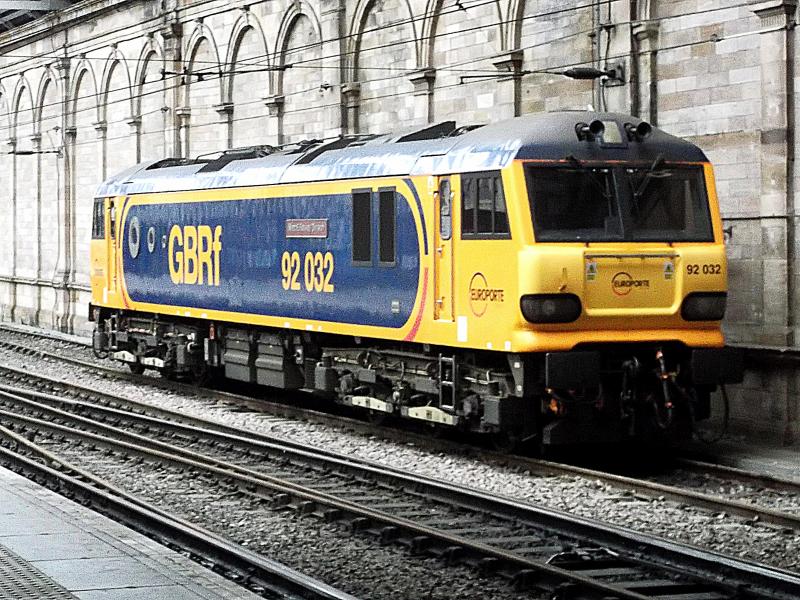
pixel 324 87
pixel 579 73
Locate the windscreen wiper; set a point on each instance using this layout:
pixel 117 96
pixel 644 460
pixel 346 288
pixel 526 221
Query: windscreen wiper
pixel 581 168
pixel 658 163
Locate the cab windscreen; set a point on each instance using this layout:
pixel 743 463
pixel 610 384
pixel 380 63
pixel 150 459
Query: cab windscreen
pixel 658 203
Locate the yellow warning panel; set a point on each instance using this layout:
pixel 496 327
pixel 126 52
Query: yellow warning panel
pixel 638 281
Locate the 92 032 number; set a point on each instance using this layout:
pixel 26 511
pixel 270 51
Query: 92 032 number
pixel 710 269
pixel 317 271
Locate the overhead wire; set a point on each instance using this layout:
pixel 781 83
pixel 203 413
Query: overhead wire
pixel 448 68
pixel 394 23
pixel 393 94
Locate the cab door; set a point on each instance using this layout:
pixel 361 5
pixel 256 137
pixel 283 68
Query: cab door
pixel 443 251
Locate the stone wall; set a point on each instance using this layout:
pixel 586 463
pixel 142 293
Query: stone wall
pixel 92 89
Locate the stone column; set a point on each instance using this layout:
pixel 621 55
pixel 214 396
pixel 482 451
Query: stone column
pixel 135 124
pixel 68 227
pixel 644 67
pixel 101 128
pixel 423 81
pixel 776 201
pixel 509 85
pixel 70 241
pixel 12 293
pixel 334 38
pixel 351 100
pixel 172 36
pixel 225 112
pixel 182 143
pixel 274 105
pixel 36 146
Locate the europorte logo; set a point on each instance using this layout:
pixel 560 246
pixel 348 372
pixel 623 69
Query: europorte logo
pixel 480 294
pixel 623 283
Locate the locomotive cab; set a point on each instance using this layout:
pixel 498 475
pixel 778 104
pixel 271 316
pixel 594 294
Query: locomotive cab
pixel 624 284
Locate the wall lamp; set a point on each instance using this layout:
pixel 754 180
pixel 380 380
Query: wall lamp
pixel 615 75
pixel 32 152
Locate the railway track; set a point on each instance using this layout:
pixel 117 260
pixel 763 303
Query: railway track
pixel 258 573
pixel 567 556
pixel 698 483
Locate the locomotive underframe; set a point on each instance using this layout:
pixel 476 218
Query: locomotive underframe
pixel 593 394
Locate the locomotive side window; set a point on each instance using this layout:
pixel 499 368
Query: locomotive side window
pixel 112 220
pixel 445 210
pixel 362 226
pixel 98 220
pixel 484 214
pixel 467 206
pixel 386 227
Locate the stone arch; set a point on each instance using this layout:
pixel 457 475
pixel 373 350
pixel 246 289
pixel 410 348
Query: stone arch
pixel 245 24
pixel 6 202
pixel 357 29
pixel 5 112
pixel 49 128
pixel 206 121
pixel 26 194
pixel 115 61
pixel 150 51
pixel 150 104
pixel 82 71
pixel 246 87
pixel 87 163
pixel 213 68
pixel 48 79
pixel 386 97
pixel 22 93
pixel 540 38
pixel 451 29
pixel 435 10
pixel 299 42
pixel 118 134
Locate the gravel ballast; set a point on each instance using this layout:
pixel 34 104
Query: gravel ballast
pixel 720 532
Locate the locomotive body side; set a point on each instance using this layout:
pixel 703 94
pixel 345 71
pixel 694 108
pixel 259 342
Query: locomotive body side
pixel 564 291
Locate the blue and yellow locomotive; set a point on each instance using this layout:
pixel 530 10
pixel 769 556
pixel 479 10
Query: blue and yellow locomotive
pixel 558 276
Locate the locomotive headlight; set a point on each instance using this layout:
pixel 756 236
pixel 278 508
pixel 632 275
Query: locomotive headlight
pixel 550 308
pixel 704 306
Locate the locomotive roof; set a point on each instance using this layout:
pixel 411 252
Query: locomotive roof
pixel 431 150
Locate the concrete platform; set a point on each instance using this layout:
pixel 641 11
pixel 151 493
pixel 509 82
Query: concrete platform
pixel 53 548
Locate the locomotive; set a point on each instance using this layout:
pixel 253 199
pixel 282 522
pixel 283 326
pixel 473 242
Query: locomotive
pixel 559 277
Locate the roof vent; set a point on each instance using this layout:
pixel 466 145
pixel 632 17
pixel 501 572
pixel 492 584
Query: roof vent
pixel 228 156
pixel 428 132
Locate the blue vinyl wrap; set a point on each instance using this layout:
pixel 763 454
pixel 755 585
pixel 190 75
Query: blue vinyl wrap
pixel 253 241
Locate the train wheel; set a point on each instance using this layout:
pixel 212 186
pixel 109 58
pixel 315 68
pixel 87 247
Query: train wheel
pixel 376 417
pixel 505 441
pixel 200 374
pixel 136 368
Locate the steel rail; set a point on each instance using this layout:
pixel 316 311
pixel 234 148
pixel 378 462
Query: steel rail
pixel 651 489
pixel 266 485
pixel 256 570
pixel 721 565
pixel 647 488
